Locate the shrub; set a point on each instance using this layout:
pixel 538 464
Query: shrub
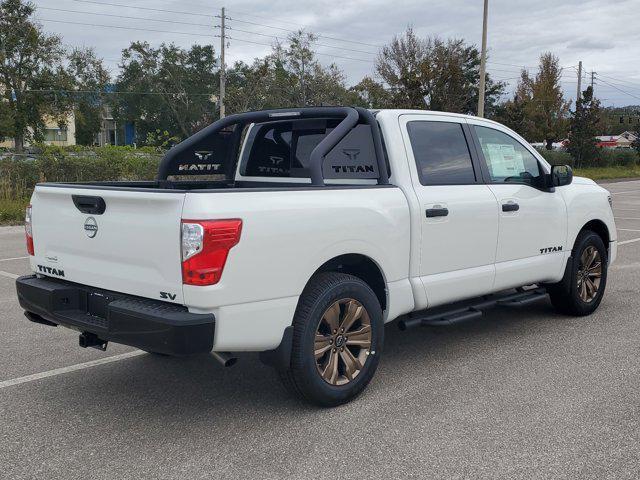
pixel 606 157
pixel 12 211
pixel 20 173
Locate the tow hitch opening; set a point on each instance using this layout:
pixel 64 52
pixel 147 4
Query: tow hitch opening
pixel 87 339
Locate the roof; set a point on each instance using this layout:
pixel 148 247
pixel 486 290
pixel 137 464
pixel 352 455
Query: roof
pixel 398 112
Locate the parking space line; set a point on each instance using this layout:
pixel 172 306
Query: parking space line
pixel 71 368
pixel 626 218
pixel 14 258
pixel 628 229
pixel 625 242
pixel 626 191
pixel 9 275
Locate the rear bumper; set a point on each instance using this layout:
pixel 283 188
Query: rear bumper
pixel 146 324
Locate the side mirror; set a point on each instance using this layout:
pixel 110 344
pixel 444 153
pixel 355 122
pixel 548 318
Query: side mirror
pixel 561 175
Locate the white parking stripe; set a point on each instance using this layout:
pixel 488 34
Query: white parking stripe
pixel 628 229
pixel 626 218
pixel 633 240
pixel 9 275
pixel 72 368
pixel 14 258
pixel 626 191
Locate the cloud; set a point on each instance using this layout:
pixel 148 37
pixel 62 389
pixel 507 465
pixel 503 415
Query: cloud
pixel 519 31
pixel 590 44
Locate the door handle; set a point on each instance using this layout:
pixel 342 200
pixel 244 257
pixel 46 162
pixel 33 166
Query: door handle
pixel 437 212
pixel 510 207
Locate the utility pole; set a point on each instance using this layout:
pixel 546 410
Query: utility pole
pixel 579 91
pixel 483 60
pixel 304 87
pixel 593 74
pixel 223 73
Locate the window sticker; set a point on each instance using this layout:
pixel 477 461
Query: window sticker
pixel 504 160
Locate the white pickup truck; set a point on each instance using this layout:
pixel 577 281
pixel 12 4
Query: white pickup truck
pixel 299 233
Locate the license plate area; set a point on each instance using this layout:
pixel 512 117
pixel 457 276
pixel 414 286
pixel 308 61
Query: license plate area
pixel 97 304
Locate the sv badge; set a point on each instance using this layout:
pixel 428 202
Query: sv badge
pixel 168 296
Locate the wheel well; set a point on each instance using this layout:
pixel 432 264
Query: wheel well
pixel 362 267
pixel 600 228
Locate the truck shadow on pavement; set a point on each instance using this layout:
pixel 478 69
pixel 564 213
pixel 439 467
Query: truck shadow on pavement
pixel 164 390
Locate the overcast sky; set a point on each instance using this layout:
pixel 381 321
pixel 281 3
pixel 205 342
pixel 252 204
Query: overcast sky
pixel 604 34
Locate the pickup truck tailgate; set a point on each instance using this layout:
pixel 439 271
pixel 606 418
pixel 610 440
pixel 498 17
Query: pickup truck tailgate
pixel 132 247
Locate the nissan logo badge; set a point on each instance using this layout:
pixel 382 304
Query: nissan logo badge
pixel 91 227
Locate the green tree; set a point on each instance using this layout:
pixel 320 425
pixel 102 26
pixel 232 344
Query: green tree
pixel 513 112
pixel 167 88
pixel 91 80
pixel 32 76
pixel 6 120
pixel 290 76
pixel 547 109
pixel 400 64
pixel 372 94
pixel 584 126
pixel 455 73
pixel 435 74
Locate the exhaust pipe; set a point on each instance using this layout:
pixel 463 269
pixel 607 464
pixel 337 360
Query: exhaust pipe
pixel 35 318
pixel 226 359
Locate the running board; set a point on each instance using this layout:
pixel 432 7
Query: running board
pixel 472 309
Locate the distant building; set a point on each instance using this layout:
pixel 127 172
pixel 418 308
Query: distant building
pixel 624 140
pixel 53 133
pixel 112 133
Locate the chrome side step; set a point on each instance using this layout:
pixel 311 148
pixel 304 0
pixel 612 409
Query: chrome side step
pixel 470 310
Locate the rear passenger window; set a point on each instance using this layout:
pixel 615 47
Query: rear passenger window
pixel 441 153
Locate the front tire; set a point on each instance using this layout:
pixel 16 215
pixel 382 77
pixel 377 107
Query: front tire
pixel 337 340
pixel 580 291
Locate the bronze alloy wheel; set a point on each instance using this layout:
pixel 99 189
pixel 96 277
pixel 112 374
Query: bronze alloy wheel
pixel 342 342
pixel 589 274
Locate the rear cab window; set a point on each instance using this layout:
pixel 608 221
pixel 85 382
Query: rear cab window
pixel 282 150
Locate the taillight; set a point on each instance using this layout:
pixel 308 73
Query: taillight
pixel 205 246
pixel 28 230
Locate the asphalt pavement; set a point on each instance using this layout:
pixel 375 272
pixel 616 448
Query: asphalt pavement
pixel 524 393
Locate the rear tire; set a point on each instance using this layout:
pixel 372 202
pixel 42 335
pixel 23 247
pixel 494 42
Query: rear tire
pixel 580 291
pixel 337 340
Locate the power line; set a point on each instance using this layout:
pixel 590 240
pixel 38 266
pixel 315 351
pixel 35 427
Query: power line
pixel 104 92
pixel 296 24
pixel 315 43
pixel 316 53
pixel 296 31
pixel 108 4
pixel 510 65
pixel 127 17
pixel 128 28
pixel 182 12
pixel 620 90
pixel 190 34
pixel 620 80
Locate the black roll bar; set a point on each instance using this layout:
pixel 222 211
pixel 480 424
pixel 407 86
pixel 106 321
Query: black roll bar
pixel 351 117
